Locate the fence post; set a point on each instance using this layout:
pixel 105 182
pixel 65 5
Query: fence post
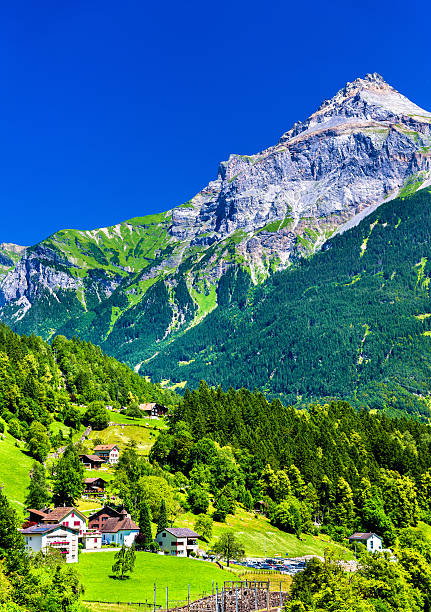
pixel 267 596
pixel 167 598
pixel 154 597
pixel 188 597
pixel 217 598
pixel 255 595
pixel 236 598
pixel 281 599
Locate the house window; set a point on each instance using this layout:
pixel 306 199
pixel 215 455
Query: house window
pixel 164 534
pixel 76 523
pixel 371 544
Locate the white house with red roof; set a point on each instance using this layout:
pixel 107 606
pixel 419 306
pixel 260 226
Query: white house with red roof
pixel 63 515
pixel 43 537
pixel 180 541
pixel 110 453
pixel 67 517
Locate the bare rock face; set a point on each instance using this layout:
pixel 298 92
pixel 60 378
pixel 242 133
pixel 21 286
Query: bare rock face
pixel 363 146
pixel 358 149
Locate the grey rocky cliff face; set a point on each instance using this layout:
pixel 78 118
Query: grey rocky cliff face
pixel 358 149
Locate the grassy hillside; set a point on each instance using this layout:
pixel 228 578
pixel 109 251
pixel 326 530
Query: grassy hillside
pixel 164 571
pixel 261 539
pixel 143 434
pixel 15 466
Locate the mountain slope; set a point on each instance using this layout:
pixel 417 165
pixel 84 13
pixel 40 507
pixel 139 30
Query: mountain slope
pixel 354 321
pixel 134 286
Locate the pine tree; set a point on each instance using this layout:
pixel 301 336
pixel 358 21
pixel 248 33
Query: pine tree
pixel 38 494
pixel 69 478
pixel 145 525
pixel 162 523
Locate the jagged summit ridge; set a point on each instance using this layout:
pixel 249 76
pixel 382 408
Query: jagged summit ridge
pixel 365 100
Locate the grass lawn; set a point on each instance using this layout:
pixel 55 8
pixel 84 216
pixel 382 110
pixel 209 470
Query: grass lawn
pixel 15 466
pixel 261 539
pixel 164 571
pixel 116 434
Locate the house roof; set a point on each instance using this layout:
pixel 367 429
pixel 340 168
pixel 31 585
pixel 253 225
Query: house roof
pixel 104 447
pixel 362 536
pixel 42 529
pixel 182 532
pixel 147 406
pixel 92 480
pixel 39 513
pixel 58 514
pixel 114 525
pixel 93 458
pixel 104 510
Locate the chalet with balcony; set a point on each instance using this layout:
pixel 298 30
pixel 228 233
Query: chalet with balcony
pixel 110 453
pixel 153 410
pixel 91 462
pixel 180 542
pixel 43 537
pixel 94 486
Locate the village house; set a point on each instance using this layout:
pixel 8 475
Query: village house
pixel 91 462
pixel 153 410
pixel 94 486
pixel 110 453
pixel 372 541
pixel 119 530
pixel 99 518
pixel 60 537
pixel 180 542
pixel 92 540
pixel 64 516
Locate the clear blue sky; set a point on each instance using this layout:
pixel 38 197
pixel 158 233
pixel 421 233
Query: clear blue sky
pixel 114 109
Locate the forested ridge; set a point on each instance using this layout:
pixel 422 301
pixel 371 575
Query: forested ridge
pixel 40 383
pixel 353 321
pixel 331 464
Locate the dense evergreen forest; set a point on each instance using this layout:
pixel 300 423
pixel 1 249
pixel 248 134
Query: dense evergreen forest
pixel 330 465
pixel 354 321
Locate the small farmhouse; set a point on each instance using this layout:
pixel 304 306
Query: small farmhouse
pixel 91 462
pixel 372 541
pixel 110 453
pixel 59 537
pixel 120 530
pixel 180 542
pixel 94 486
pixel 99 518
pixel 153 410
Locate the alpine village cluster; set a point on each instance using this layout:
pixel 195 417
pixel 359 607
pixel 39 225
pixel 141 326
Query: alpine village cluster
pixel 225 407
